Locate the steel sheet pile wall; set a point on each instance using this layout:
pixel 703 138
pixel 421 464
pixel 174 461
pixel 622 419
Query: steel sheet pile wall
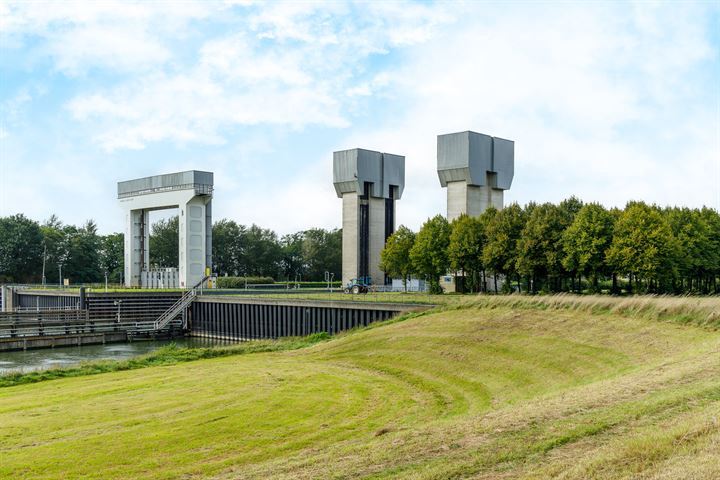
pixel 248 321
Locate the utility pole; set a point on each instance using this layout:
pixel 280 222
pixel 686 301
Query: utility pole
pixel 44 257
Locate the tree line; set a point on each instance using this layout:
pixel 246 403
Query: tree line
pixel 28 248
pixel 568 247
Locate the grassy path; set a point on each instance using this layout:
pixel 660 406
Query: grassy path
pixel 471 392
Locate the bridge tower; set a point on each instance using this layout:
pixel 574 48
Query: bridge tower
pixel 190 192
pixel 369 184
pixel 476 169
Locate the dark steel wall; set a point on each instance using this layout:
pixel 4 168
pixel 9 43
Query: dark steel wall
pixel 256 321
pixel 29 301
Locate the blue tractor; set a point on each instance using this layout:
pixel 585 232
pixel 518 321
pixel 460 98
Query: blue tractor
pixel 358 285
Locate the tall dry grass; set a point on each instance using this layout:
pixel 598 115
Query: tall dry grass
pixel 701 311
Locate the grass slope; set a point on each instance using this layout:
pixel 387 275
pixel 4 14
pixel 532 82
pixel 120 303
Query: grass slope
pixel 480 390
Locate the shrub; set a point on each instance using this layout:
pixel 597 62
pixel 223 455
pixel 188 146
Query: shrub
pixel 239 282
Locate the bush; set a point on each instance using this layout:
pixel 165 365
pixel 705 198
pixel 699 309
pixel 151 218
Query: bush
pixel 239 282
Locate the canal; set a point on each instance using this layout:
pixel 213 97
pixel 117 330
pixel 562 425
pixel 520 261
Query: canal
pixel 44 358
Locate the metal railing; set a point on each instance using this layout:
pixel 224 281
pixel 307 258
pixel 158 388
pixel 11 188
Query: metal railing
pixel 171 313
pixel 200 189
pixel 47 323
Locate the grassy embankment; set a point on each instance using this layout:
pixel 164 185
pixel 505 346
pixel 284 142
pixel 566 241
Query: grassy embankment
pixel 510 387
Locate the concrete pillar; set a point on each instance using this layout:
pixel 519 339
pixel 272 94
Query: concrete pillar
pixel 369 184
pixel 377 239
pixel 137 245
pixel 193 242
pixel 8 299
pixel 350 248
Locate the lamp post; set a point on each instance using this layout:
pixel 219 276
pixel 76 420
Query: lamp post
pixel 44 259
pixel 118 303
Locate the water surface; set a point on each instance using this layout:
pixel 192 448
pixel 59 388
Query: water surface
pixel 43 358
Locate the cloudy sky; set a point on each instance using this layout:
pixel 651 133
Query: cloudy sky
pixel 607 101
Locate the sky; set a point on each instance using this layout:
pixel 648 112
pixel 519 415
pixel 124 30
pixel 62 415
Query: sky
pixel 609 102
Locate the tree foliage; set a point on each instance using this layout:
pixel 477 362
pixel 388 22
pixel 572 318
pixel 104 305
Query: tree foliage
pixel 429 255
pixel 539 247
pixel 322 252
pixel 111 256
pixel 586 241
pixel 20 249
pixel 467 240
pixel 503 232
pixel 395 257
pixel 165 243
pixel 643 245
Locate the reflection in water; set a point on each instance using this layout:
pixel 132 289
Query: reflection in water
pixel 44 358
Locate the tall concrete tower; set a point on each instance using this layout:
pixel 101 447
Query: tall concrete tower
pixel 369 184
pixel 476 169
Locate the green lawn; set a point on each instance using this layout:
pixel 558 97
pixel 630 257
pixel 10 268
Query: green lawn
pixel 482 389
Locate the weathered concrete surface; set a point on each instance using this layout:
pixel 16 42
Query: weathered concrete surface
pixel 350 247
pixel 463 198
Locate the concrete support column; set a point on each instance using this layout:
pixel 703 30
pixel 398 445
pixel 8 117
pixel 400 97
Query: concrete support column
pixel 8 299
pixel 377 239
pixel 208 233
pixel 350 244
pixel 192 254
pixel 496 198
pixel 471 200
pixel 137 245
pixel 369 183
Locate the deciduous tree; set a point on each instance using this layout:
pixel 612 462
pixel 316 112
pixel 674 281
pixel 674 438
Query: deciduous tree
pixel 20 249
pixel 165 243
pixel 586 241
pixel 643 245
pixel 467 240
pixel 395 258
pixel 503 234
pixel 429 255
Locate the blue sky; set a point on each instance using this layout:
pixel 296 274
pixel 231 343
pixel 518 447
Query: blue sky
pixel 607 101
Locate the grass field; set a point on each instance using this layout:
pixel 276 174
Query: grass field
pixel 574 388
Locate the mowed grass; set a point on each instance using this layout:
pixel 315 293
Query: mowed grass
pixel 482 389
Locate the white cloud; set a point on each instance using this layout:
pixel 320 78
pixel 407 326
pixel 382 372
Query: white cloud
pixel 606 101
pixel 602 105
pixel 80 36
pixel 293 64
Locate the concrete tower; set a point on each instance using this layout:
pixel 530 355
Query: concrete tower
pixel 190 192
pixel 476 169
pixel 369 183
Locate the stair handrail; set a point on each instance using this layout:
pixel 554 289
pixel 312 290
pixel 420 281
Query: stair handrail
pixel 183 302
